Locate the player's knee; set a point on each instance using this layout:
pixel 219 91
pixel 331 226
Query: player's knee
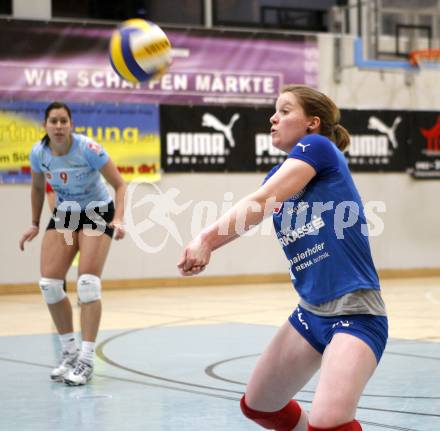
pixel 350 426
pixel 89 288
pixel 282 420
pixel 52 290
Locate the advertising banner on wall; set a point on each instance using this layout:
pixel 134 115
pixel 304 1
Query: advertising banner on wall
pixel 129 132
pixel 47 61
pixel 425 145
pixel 216 139
pixel 207 139
pixel 379 140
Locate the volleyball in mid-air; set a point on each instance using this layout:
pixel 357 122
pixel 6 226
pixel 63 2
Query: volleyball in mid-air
pixel 139 50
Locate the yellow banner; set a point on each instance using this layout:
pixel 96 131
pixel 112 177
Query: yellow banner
pixel 136 152
pixel 17 136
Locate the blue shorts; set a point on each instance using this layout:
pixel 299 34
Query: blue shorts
pixel 319 330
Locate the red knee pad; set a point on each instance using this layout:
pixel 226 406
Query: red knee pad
pixel 282 420
pixel 349 426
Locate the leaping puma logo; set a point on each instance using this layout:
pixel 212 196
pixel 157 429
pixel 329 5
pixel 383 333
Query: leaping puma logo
pixel 208 120
pixel 375 124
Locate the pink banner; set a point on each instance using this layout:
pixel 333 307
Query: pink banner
pixel 46 61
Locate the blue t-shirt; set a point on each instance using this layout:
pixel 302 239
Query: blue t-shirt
pixel 74 177
pixel 322 228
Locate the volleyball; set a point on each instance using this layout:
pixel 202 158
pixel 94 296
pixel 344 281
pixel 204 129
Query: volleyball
pixel 139 50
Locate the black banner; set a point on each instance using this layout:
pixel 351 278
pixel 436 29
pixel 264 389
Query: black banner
pixel 425 145
pixel 237 139
pixel 216 139
pixel 379 140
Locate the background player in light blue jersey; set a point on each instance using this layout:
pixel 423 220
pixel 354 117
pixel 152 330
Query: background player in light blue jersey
pixel 84 219
pixel 340 325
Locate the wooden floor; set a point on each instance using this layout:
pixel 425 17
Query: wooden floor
pixel 179 358
pixel 413 306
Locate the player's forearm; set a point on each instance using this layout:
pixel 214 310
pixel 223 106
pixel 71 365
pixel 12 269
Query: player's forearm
pixel 244 215
pixel 51 201
pixel 37 200
pixel 119 201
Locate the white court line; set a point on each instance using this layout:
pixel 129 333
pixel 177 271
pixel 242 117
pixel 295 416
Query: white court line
pixel 431 297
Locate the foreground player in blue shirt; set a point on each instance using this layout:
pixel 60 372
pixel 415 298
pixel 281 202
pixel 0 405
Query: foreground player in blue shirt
pixel 85 219
pixel 340 324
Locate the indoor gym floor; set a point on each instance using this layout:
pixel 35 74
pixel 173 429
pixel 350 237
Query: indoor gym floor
pixel 178 358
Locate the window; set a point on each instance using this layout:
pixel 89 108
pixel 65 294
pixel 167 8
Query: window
pixel 278 14
pixel 186 12
pixel 6 7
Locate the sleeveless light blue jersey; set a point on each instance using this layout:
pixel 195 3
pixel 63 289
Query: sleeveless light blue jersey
pixel 74 176
pixel 323 229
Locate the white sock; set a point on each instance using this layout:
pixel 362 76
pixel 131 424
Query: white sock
pixel 87 351
pixel 68 342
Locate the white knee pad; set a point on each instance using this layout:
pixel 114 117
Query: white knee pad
pixel 52 290
pixel 89 288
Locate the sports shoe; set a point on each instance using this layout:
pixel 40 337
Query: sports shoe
pixel 80 375
pixel 67 363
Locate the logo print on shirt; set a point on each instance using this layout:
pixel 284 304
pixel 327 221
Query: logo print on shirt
pixel 293 198
pixel 95 147
pixel 208 120
pixel 298 195
pixel 303 146
pixel 277 209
